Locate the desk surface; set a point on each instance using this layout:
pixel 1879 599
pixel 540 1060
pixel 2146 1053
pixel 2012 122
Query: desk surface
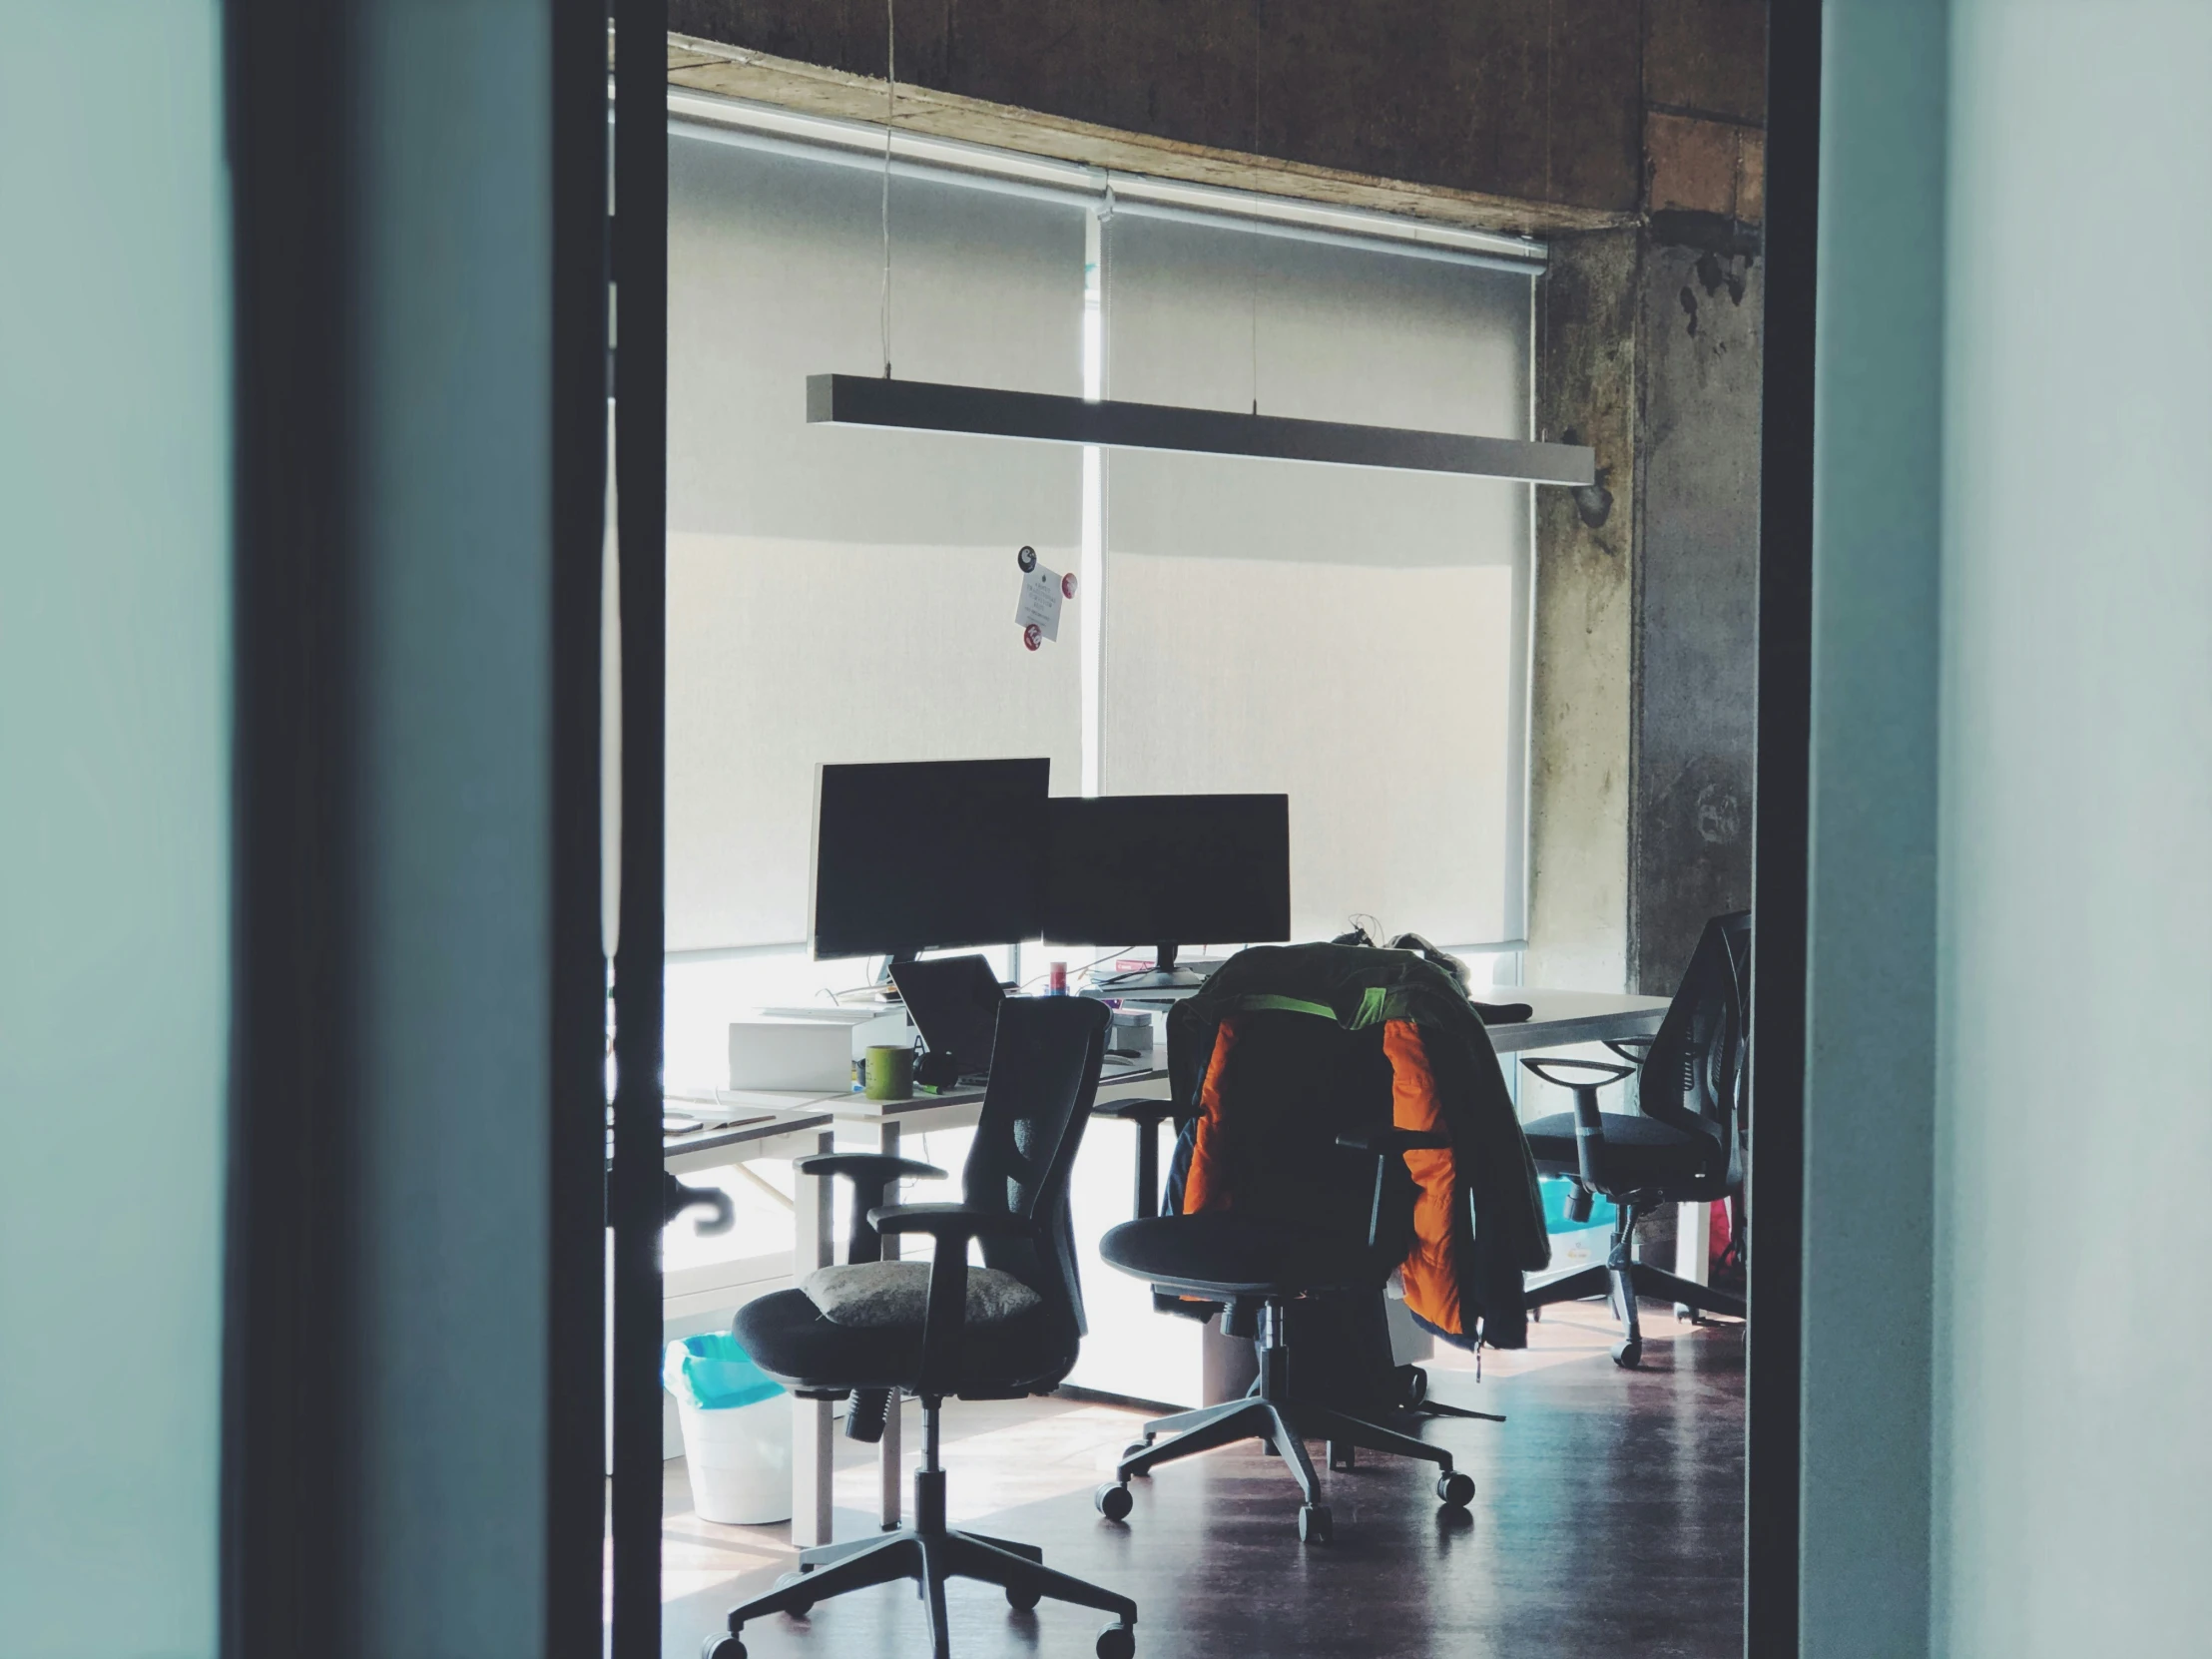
pixel 1561 1019
pixel 736 1118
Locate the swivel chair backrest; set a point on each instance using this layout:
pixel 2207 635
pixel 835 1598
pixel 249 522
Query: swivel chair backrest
pixel 1290 1083
pixel 1695 1076
pixel 1043 1080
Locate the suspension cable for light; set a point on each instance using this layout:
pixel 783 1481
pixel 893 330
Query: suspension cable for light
pixel 915 405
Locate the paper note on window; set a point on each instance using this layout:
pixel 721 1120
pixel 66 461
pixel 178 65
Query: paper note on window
pixel 1040 603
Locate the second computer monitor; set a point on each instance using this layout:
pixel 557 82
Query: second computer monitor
pixel 1169 869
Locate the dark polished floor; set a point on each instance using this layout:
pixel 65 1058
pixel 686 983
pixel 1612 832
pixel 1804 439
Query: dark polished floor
pixel 1608 1521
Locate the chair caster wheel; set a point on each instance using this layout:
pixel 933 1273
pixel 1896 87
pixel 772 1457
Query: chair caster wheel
pixel 1454 1490
pixel 1113 1500
pixel 1312 1523
pixel 1628 1355
pixel 799 1609
pixel 1021 1601
pixel 1133 1448
pixel 1342 1456
pixel 1117 1641
pixel 722 1647
pixel 1413 1386
pixel 1535 1316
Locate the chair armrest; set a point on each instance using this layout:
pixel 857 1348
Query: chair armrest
pixel 1383 1145
pixel 873 1175
pixel 1607 1073
pixel 1635 1050
pixel 945 1318
pixel 866 1166
pixel 1378 1142
pixel 1589 1124
pixel 952 1220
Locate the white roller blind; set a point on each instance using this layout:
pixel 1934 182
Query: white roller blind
pixel 1352 638
pixel 841 595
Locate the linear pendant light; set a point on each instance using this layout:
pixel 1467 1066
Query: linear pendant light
pixel 919 405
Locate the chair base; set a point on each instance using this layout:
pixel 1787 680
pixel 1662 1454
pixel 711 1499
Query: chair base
pixel 1621 1283
pixel 1416 1402
pixel 931 1554
pixel 1283 1425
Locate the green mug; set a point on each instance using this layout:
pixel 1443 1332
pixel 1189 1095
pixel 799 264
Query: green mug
pixel 888 1073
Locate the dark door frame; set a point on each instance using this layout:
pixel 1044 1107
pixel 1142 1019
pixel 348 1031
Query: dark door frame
pixel 1780 842
pixel 640 277
pixel 1780 845
pixel 297 129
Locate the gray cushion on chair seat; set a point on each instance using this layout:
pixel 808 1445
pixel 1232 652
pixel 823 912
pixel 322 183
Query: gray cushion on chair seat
pixel 873 1295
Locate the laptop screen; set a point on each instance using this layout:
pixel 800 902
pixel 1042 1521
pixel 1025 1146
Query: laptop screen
pixel 953 1001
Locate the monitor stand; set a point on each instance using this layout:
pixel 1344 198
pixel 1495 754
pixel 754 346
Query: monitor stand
pixel 1164 975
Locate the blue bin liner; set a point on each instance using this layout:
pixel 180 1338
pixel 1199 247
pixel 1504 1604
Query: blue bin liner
pixel 715 1373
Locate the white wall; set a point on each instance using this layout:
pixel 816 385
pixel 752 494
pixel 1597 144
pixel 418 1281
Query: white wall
pixel 2074 1360
pixel 114 757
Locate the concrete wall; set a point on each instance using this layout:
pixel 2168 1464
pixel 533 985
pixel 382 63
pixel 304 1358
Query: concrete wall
pixel 1537 101
pixel 1581 681
pixel 1695 624
pixel 1668 392
pixel 115 653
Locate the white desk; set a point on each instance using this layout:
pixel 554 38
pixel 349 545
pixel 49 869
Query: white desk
pixel 1125 1331
pixel 1561 1019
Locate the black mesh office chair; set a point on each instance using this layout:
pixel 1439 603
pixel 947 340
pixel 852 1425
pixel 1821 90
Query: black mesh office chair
pixel 938 1329
pixel 1685 1144
pixel 1326 1217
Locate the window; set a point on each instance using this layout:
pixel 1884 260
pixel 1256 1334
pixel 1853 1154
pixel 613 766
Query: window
pixel 1352 637
pixel 848 595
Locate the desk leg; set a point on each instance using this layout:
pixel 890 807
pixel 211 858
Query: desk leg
pixel 887 1450
pixel 1693 1246
pixel 813 1452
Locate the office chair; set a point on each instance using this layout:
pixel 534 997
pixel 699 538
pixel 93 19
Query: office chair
pixel 1685 1144
pixel 1326 1217
pixel 1360 1336
pixel 940 1329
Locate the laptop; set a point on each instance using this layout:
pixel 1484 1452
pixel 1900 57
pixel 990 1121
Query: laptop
pixel 953 1002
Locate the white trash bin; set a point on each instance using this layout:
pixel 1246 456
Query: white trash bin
pixel 737 1430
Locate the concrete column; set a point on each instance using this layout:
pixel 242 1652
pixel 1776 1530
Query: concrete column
pixel 1581 673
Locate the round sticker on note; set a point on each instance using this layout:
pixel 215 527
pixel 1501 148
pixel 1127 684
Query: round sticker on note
pixel 1067 584
pixel 1032 636
pixel 1027 559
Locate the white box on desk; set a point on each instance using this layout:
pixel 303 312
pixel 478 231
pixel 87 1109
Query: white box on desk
pixel 791 1055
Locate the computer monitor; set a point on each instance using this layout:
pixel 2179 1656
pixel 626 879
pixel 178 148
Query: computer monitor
pixel 1169 869
pixel 915 855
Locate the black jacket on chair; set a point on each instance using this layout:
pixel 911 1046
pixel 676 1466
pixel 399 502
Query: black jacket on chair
pixel 1496 1233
